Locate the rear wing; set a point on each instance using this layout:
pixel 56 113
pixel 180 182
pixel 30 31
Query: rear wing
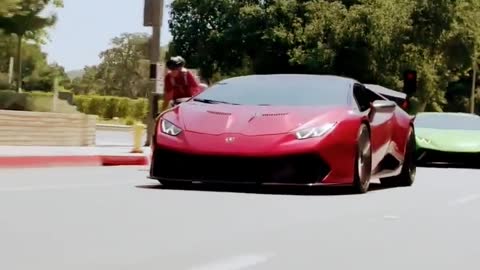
pixel 398 97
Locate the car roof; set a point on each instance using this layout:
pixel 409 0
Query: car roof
pixel 314 77
pixel 460 114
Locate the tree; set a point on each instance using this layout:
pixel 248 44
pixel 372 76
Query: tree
pixel 26 23
pixel 7 7
pixel 123 71
pixel 468 22
pixel 373 41
pixel 319 37
pixel 37 74
pixel 88 83
pixel 199 27
pixel 42 77
pixel 124 67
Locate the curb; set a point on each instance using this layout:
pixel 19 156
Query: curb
pixel 112 126
pixel 124 160
pixel 71 161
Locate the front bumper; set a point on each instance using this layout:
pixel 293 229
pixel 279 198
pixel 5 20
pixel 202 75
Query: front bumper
pixel 299 169
pixel 269 159
pixel 426 156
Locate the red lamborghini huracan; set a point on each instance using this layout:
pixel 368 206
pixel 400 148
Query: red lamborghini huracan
pixel 285 130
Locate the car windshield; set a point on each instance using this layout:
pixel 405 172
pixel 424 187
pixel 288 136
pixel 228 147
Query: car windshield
pixel 280 90
pixel 448 121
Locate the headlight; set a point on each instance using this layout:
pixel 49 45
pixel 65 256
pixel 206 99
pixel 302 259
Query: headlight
pixel 314 132
pixel 169 128
pixel 424 140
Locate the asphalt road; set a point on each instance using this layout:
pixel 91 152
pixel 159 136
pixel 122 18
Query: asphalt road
pixel 115 138
pixel 113 218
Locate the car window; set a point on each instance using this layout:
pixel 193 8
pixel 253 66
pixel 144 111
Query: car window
pixel 364 96
pixel 448 121
pixel 281 90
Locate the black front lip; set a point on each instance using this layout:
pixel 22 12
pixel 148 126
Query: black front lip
pixel 307 169
pixel 435 156
pixel 245 182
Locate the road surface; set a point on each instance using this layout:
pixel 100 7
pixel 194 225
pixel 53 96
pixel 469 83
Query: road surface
pixel 115 138
pixel 113 218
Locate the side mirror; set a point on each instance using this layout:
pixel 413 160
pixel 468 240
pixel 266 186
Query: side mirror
pixel 383 106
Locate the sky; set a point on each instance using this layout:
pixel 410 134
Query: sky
pixel 85 28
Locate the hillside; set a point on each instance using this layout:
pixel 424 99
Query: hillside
pixel 73 74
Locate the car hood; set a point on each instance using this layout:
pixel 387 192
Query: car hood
pixel 448 140
pixel 218 119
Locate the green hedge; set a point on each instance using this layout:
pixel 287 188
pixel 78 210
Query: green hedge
pixel 105 107
pixel 32 101
pixel 108 107
pixel 11 100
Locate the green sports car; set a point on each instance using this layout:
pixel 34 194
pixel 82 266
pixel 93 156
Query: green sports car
pixel 448 138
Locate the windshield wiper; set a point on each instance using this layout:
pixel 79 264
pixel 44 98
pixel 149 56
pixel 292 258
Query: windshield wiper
pixel 211 101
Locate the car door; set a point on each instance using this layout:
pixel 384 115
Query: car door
pixel 380 122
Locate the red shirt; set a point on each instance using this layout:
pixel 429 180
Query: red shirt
pixel 182 86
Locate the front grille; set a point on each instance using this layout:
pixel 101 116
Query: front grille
pixel 430 156
pixel 300 169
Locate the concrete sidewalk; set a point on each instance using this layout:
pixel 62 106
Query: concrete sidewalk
pixel 45 156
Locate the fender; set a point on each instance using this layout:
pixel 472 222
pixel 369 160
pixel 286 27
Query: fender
pixel 412 118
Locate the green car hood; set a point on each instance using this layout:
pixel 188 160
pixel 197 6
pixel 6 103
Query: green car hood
pixel 466 141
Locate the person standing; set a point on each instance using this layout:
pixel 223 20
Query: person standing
pixel 179 82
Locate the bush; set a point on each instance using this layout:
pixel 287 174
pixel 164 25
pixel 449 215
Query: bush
pixel 130 121
pixel 32 101
pixel 105 107
pixel 124 108
pixel 108 107
pixel 4 85
pixel 111 108
pixel 11 100
pixel 81 102
pixel 140 110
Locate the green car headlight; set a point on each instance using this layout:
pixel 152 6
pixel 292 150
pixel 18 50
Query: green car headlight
pixel 424 140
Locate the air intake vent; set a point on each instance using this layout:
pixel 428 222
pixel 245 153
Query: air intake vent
pixel 274 114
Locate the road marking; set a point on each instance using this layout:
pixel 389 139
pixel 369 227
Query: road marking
pixel 235 263
pixel 391 217
pixel 464 200
pixel 55 187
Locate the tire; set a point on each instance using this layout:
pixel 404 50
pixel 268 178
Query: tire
pixel 363 161
pixel 406 177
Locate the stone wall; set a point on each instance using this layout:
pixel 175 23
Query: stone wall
pixel 22 128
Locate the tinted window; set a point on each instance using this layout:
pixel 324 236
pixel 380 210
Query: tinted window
pixel 448 121
pixel 281 90
pixel 365 97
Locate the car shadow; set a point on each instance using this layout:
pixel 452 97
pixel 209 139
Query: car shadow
pixel 449 166
pixel 266 190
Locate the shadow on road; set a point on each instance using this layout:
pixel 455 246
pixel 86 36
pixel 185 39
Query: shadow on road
pixel 449 166
pixel 265 190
